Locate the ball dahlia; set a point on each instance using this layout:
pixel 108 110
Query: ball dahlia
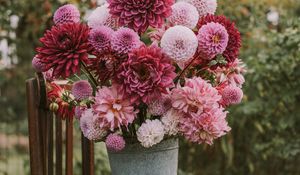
pixel 184 14
pixel 82 89
pixel 38 65
pixel 150 133
pixel 66 14
pixel 145 75
pixel 179 43
pixel 170 121
pixel 125 40
pixel 90 127
pixel 113 109
pixel 213 40
pixel 101 17
pixel 231 95
pixel 234 41
pixel 196 97
pixel 139 15
pixel 115 142
pixel 64 47
pixel 159 106
pixel 100 39
pixel 206 127
pixel 204 7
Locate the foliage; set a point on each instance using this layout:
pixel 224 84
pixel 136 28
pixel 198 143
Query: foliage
pixel 265 136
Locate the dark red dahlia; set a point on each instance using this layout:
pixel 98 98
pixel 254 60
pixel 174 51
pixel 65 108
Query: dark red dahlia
pixel 234 43
pixel 145 75
pixel 64 47
pixel 140 14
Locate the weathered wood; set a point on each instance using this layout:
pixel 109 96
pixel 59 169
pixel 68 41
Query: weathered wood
pixel 50 143
pixel 58 146
pixel 87 150
pixel 69 146
pixel 37 167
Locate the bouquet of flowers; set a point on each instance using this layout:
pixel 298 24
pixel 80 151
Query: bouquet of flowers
pixel 144 71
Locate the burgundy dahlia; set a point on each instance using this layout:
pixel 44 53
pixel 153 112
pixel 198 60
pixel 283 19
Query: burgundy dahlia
pixel 234 43
pixel 64 47
pixel 145 75
pixel 140 14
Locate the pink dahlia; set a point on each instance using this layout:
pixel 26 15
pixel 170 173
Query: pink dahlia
pixel 82 89
pixel 125 40
pixel 90 126
pixel 139 15
pixel 204 7
pixel 101 17
pixel 160 106
pixel 179 43
pixel 64 47
pixel 184 14
pixel 100 39
pixel 115 142
pixel 205 127
pixel 79 110
pixel 234 41
pixel 231 95
pixel 66 14
pixel 213 40
pixel 48 75
pixel 196 97
pixel 113 109
pixel 146 74
pixel 38 65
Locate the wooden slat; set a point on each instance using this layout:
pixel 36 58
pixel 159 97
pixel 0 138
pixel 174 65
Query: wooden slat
pixel 58 146
pixel 50 143
pixel 69 146
pixel 36 166
pixel 87 150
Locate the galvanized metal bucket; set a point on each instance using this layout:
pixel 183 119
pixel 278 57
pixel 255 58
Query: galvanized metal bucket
pixel 161 159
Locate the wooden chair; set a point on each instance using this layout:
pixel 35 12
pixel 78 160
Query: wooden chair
pixel 46 136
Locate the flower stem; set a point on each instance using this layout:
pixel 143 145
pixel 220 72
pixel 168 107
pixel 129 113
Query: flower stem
pixel 185 68
pixel 89 75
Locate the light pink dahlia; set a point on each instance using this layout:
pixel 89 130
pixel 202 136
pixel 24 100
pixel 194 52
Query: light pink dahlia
pixel 100 38
pixel 170 121
pixel 82 89
pixel 204 7
pixel 160 106
pixel 145 75
pixel 206 127
pixel 179 43
pixel 196 97
pixel 231 95
pixel 184 14
pixel 38 65
pixel 150 133
pixel 48 75
pixel 139 15
pixel 115 142
pixel 113 109
pixel 125 40
pixel 101 17
pixel 65 14
pixel 213 40
pixel 79 110
pixel 90 127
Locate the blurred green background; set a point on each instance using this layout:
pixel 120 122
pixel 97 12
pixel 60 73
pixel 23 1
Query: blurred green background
pixel 265 136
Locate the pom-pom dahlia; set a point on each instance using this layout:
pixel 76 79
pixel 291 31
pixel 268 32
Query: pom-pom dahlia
pixel 113 109
pixel 90 127
pixel 100 38
pixel 231 95
pixel 184 14
pixel 179 43
pixel 125 40
pixel 82 89
pixel 160 106
pixel 38 65
pixel 204 7
pixel 213 40
pixel 79 110
pixel 64 47
pixel 66 14
pixel 206 127
pixel 115 142
pixel 150 133
pixel 138 15
pixel 196 97
pixel 48 75
pixel 145 75
pixel 101 17
pixel 234 41
pixel 170 121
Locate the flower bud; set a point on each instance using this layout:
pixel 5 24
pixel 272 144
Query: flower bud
pixel 53 106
